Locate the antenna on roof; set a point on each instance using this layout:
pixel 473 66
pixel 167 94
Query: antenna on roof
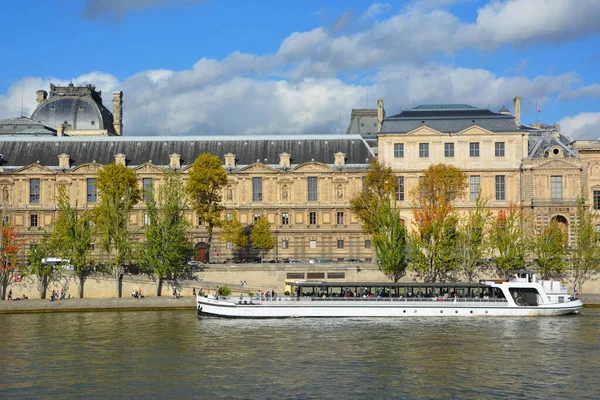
pixel 367 96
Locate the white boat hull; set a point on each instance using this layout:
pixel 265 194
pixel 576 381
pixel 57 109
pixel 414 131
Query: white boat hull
pixel 333 308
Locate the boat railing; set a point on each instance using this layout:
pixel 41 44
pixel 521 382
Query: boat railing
pixel 261 300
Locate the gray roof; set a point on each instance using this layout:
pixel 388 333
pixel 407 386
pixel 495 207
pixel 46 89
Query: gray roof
pixel 450 118
pixel 79 107
pixel 18 152
pixel 541 141
pixel 363 122
pixel 24 126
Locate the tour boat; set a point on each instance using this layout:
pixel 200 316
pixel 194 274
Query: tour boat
pixel 520 295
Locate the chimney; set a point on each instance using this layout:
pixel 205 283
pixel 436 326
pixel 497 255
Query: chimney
pixel 380 114
pixel 63 161
pixel 175 161
pixel 229 160
pixel 118 112
pixel 60 130
pixel 120 158
pixel 41 95
pixel 284 160
pixel 517 103
pixel 340 158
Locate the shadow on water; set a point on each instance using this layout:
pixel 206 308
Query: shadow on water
pixel 174 354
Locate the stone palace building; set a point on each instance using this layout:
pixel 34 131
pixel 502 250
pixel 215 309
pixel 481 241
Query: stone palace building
pixel 302 183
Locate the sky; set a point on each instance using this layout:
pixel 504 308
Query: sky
pixel 207 67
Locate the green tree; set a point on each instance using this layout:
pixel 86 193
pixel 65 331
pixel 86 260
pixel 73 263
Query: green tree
pixel 233 231
pixel 508 239
pixel 261 236
pixel 433 243
pixel 43 271
pixel 473 244
pixel 205 180
pixel 390 239
pixel 72 236
pixel 379 183
pixel 166 246
pixel 119 192
pixel 548 248
pixel 585 253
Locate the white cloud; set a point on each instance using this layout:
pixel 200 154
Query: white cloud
pixel 585 91
pixel 582 126
pixel 114 10
pixel 375 9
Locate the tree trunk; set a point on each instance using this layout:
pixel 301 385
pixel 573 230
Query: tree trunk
pixel 43 286
pixel 5 279
pixel 80 288
pixel 209 242
pixel 119 282
pixel 158 289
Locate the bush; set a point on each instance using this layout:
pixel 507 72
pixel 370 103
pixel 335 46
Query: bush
pixel 287 293
pixel 250 294
pixel 225 291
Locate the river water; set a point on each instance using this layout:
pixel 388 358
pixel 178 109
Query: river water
pixel 173 354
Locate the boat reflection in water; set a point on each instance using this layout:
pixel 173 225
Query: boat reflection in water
pixel 520 295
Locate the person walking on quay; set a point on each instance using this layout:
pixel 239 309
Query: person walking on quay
pixel 174 293
pixel 9 297
pixel 193 292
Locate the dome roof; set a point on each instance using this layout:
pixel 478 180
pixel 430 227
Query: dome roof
pixel 79 107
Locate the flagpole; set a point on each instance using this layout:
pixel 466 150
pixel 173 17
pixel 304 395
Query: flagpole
pixel 537 114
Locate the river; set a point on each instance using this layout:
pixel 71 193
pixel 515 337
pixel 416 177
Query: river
pixel 173 354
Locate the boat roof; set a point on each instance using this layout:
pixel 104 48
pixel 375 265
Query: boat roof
pixel 300 283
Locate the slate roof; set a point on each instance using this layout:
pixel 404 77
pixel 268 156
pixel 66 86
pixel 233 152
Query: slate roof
pixel 541 141
pixel 80 107
pixel 24 126
pixel 448 118
pixel 19 152
pixel 363 122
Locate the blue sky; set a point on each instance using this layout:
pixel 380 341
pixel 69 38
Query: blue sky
pixel 239 67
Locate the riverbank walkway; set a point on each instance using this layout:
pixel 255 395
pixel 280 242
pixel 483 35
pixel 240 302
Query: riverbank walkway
pixel 105 304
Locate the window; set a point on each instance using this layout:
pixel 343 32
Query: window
pixel 146 219
pixel 92 192
pixel 34 191
pixel 33 220
pixel 229 245
pixel 364 183
pixel 148 186
pixel 500 187
pixel 340 243
pixel 400 188
pixel 312 244
pixel 312 218
pixel 256 216
pixel 423 150
pixel 228 216
pixel 474 149
pixel 199 220
pixel 285 218
pixel 556 187
pixel 340 218
pixel 312 189
pixel 368 244
pixel 449 150
pixel 92 247
pixel 398 150
pixel 257 189
pixel 474 187
pixel 499 149
pixel 596 199
pixel 285 244
pixel 5 220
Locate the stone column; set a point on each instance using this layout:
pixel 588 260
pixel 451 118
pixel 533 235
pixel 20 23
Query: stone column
pixel 118 112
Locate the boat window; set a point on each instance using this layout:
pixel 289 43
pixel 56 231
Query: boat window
pixel 525 296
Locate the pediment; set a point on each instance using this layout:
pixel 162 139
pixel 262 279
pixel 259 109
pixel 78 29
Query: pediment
pixel 340 179
pixel 557 164
pixel 258 168
pixel 34 169
pixel 148 168
pixel 312 167
pixel 475 130
pixel 424 131
pixel 285 179
pixel 86 169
